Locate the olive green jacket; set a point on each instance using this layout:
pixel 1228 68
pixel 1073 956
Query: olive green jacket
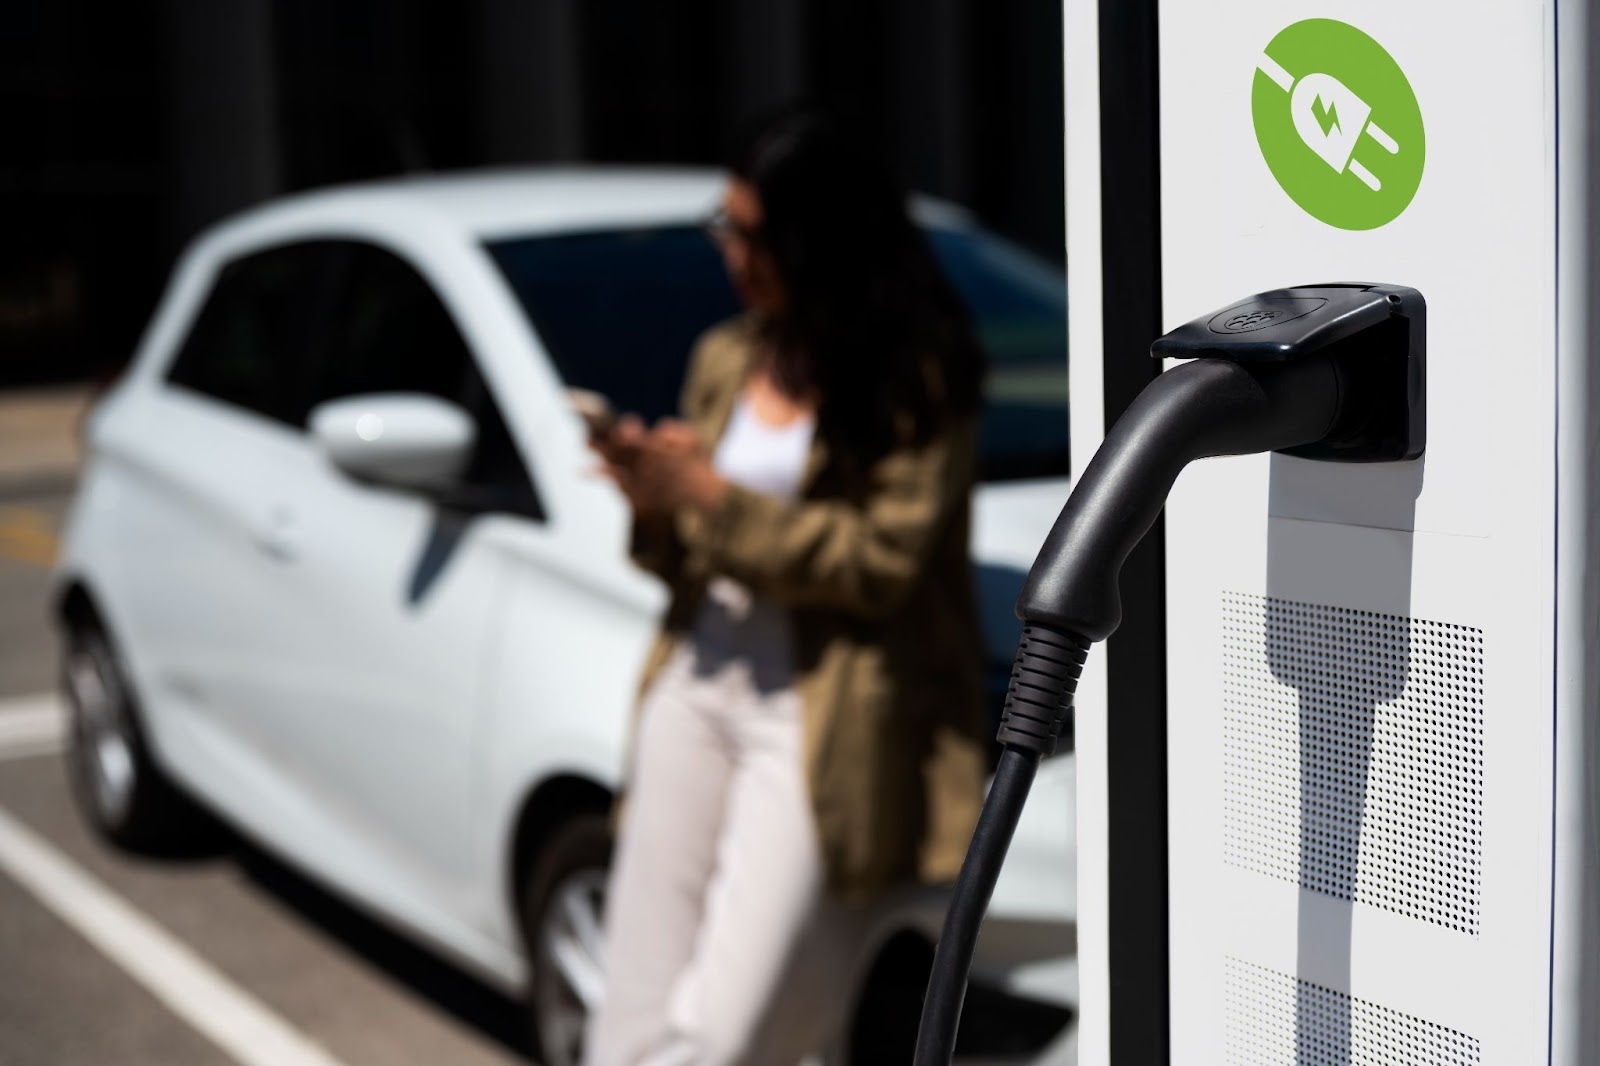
pixel 876 572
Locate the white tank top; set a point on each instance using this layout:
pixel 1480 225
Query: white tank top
pixel 764 458
pixel 733 622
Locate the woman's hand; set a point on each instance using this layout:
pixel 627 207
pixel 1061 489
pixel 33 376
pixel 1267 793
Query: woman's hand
pixel 662 469
pixel 620 447
pixel 676 465
pixel 619 442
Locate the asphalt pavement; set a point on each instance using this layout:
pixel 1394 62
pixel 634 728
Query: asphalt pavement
pixel 29 527
pixel 40 452
pixel 293 953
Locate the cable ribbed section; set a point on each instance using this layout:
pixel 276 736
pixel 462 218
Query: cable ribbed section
pixel 1043 680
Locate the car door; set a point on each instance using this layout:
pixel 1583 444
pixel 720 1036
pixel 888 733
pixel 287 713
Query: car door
pixel 383 687
pixel 206 455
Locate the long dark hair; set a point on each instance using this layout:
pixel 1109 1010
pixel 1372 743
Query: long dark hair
pixel 871 325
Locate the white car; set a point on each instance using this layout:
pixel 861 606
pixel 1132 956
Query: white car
pixel 340 569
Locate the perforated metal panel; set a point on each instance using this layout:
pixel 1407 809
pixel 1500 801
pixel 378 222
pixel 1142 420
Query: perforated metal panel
pixel 1353 755
pixel 1274 1019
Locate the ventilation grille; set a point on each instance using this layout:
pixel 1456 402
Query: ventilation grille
pixel 1277 1020
pixel 1353 755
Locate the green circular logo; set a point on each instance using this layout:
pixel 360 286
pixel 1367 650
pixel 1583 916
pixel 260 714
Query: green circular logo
pixel 1338 124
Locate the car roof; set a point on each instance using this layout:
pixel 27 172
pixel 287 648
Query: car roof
pixel 522 201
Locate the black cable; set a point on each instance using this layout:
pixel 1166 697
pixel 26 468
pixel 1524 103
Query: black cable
pixel 1043 679
pixel 952 959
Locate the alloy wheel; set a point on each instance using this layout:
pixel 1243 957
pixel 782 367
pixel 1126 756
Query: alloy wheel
pixel 570 978
pixel 103 744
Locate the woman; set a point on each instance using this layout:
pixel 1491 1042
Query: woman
pixel 809 736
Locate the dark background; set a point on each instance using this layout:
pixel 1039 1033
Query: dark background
pixel 129 126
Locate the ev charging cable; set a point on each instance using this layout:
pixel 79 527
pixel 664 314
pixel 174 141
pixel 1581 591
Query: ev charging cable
pixel 1315 370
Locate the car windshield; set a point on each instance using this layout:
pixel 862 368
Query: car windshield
pixel 618 312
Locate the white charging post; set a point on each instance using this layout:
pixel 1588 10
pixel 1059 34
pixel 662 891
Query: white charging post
pixel 1339 770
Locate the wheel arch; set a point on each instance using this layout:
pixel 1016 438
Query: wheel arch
pixel 546 807
pixel 75 603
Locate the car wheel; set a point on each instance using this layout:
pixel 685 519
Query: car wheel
pixel 562 902
pixel 120 790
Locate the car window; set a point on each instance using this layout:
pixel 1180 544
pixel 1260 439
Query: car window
pixel 248 342
pixel 618 312
pixel 1019 308
pixel 387 330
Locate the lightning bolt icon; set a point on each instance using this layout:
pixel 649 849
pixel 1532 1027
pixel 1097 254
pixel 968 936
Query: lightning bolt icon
pixel 1326 114
pixel 1314 102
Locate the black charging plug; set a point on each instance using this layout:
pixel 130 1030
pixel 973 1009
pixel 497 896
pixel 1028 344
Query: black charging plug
pixel 1329 372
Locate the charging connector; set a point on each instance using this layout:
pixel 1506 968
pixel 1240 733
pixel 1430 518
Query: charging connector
pixel 1333 372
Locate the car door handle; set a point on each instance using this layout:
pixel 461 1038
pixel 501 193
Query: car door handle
pixel 279 536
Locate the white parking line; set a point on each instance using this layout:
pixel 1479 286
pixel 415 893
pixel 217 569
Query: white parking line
pixel 31 725
pixel 219 1009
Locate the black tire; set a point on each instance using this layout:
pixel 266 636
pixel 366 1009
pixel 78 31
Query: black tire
pixel 121 791
pixel 883 1027
pixel 561 905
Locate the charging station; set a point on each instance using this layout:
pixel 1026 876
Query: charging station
pixel 1339 767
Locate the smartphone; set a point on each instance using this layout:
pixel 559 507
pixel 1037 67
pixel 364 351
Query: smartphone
pixel 595 409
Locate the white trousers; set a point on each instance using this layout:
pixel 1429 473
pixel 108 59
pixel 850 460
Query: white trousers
pixel 722 944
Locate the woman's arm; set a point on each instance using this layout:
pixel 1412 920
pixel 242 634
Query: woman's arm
pixel 654 543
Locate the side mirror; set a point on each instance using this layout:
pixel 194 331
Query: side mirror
pixel 404 440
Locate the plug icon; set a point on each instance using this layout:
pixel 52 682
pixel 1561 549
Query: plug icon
pixel 1331 119
pixel 1356 175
